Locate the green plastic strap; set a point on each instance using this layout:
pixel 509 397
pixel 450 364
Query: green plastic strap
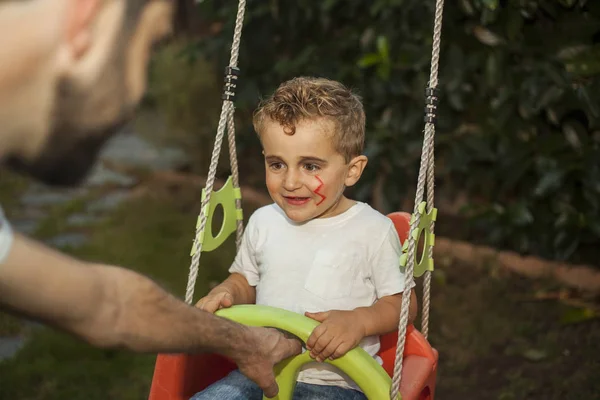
pixel 357 363
pixel 426 262
pixel 237 193
pixel 226 196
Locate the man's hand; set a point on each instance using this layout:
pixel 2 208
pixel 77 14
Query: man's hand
pixel 339 332
pixel 215 301
pixel 265 348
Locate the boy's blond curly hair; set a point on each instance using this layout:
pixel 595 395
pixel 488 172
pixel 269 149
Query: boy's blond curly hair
pixel 308 98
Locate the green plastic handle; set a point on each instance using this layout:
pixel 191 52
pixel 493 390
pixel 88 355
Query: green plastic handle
pixel 357 363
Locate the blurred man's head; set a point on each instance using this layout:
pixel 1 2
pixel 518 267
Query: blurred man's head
pixel 71 73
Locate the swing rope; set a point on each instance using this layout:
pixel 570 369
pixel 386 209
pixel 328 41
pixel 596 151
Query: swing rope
pixel 426 172
pixel 226 122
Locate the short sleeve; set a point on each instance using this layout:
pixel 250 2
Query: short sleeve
pixel 245 260
pixel 388 277
pixel 6 237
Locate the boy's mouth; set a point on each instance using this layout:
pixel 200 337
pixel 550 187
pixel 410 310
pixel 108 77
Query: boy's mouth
pixel 296 201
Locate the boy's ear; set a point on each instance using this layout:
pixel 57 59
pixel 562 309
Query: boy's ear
pixel 356 166
pixel 79 25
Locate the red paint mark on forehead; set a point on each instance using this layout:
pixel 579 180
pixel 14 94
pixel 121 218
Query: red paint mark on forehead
pixel 316 191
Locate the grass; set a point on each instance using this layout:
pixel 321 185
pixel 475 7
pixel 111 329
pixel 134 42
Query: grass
pixel 12 186
pixel 493 345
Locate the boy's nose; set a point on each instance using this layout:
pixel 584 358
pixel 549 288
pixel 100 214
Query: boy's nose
pixel 291 181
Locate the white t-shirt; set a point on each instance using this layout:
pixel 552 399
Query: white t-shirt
pixel 337 263
pixel 6 237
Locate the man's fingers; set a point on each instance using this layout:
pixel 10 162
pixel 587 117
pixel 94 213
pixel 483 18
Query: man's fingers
pixel 292 347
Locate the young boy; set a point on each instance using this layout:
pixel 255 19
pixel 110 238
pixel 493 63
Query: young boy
pixel 314 251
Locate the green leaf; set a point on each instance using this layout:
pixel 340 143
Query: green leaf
pixel 550 181
pixel 576 315
pixel 535 354
pixel 369 60
pixel 520 215
pixel 490 4
pixel 567 3
pixel 383 47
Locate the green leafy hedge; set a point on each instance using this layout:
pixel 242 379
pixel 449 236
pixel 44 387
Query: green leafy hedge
pixel 518 130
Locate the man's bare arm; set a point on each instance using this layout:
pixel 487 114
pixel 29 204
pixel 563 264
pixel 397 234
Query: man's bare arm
pixel 109 306
pixel 104 305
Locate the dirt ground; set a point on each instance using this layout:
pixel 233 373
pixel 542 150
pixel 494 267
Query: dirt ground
pixel 497 342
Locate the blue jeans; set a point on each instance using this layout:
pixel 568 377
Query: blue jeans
pixel 236 386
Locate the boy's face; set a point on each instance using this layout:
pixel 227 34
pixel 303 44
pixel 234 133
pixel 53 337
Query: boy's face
pixel 305 175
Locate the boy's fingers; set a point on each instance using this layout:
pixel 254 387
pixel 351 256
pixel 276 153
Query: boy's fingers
pixel 342 349
pixel 226 300
pixel 319 316
pixel 210 306
pixel 315 335
pixel 329 349
pixel 322 343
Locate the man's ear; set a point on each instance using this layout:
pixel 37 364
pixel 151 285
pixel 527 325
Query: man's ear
pixel 79 25
pixel 356 166
pixel 91 33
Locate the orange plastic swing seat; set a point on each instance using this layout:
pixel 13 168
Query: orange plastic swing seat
pixel 180 376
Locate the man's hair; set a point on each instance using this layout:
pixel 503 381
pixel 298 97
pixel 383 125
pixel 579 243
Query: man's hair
pixel 308 98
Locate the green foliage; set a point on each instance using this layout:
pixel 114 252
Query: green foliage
pixel 518 127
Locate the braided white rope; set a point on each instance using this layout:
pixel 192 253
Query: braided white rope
pixel 425 168
pixel 235 175
pixel 226 116
pixel 427 276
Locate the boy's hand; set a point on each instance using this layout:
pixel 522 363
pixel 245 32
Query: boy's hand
pixel 338 333
pixel 216 301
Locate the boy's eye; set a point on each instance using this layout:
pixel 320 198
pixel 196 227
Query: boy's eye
pixel 311 167
pixel 276 166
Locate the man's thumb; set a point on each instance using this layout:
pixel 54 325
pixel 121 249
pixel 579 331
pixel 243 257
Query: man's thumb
pixel 272 389
pixel 319 316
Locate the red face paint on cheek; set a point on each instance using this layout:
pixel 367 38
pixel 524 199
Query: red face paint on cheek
pixel 316 191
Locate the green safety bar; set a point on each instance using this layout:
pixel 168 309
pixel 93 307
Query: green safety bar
pixel 226 197
pixel 357 363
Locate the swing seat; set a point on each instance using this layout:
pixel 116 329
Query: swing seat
pixel 180 376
